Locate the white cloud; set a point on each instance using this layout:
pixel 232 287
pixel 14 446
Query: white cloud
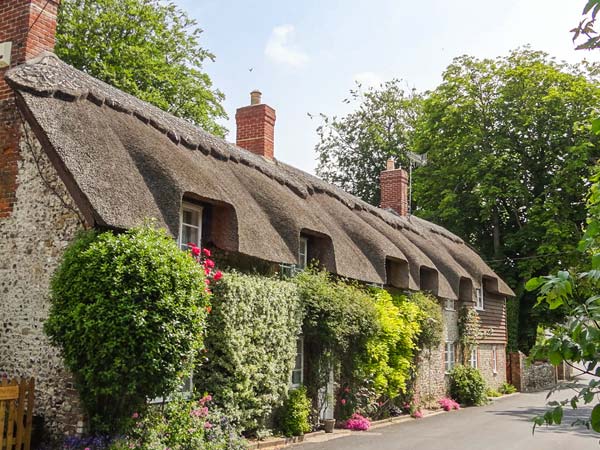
pixel 280 50
pixel 368 79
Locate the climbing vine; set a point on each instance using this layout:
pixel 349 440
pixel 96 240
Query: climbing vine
pixel 470 332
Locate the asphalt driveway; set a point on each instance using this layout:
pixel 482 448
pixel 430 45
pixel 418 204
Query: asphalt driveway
pixel 503 425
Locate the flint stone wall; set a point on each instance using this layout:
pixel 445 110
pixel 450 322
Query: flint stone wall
pixel 32 240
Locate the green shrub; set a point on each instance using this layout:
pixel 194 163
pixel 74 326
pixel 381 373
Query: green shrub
pixel 181 425
pixel 467 385
pixel 431 320
pixel 507 388
pixel 340 318
pixel 338 315
pixel 127 311
pixel 388 357
pixel 492 393
pixel 250 347
pixel 295 413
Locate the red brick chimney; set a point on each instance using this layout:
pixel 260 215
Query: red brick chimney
pixel 394 188
pixel 27 28
pixel 256 127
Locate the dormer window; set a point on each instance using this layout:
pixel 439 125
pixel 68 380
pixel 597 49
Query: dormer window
pixel 479 298
pixel 190 225
pixel 303 253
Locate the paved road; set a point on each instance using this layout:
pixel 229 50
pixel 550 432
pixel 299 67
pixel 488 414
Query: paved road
pixel 503 425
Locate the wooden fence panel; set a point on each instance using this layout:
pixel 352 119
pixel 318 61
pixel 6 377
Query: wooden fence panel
pixel 16 414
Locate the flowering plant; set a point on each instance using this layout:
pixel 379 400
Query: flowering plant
pixel 202 256
pixel 358 423
pixel 181 424
pixel 448 404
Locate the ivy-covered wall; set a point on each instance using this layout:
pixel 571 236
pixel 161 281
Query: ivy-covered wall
pixel 250 347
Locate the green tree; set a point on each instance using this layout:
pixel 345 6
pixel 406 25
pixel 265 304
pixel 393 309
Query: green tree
pixel 576 340
pixel 127 312
pixel 509 154
pixel 353 149
pixel 148 48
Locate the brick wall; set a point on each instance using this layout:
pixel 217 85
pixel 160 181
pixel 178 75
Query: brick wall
pixel 34 238
pixel 30 25
pixel 256 129
pixel 394 190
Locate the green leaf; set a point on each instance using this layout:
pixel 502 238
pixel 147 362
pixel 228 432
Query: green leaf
pixel 534 283
pixel 595 418
pixel 596 125
pixel 557 415
pixel 555 358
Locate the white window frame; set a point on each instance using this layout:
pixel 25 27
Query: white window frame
pixel 449 356
pixel 449 304
pixel 494 359
pixel 474 358
pixel 479 299
pixel 299 345
pixel 303 253
pixel 198 226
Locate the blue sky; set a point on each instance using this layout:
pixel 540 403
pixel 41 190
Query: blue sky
pixel 306 55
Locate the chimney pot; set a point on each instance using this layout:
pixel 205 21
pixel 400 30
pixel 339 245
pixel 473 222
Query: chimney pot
pixel 255 97
pixel 390 165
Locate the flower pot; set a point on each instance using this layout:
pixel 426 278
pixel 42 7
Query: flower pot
pixel 329 425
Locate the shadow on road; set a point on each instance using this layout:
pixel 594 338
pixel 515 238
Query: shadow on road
pixel 571 416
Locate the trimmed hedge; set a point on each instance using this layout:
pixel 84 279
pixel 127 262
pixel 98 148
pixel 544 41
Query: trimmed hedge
pixel 250 347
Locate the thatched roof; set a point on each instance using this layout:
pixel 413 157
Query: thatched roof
pixel 125 161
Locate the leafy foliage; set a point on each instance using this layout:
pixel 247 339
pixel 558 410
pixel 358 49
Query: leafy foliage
pixel 340 318
pixel 250 347
pixel 577 338
pixel 389 354
pixel 296 411
pixel 507 388
pixel 467 385
pixel 148 48
pixel 508 158
pixel 469 331
pixel 128 313
pixel 585 28
pixel 181 425
pixel 353 150
pixel 431 319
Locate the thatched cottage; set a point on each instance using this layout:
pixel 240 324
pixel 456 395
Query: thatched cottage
pixel 78 153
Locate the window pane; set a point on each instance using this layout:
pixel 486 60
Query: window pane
pixel 296 377
pixel 191 217
pixel 189 235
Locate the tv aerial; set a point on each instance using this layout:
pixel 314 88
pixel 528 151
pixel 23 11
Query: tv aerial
pixel 414 160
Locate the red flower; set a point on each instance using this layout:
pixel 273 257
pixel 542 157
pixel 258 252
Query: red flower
pixel 218 275
pixel 207 281
pixel 209 263
pixel 206 252
pixel 206 271
pixel 208 310
pixel 343 401
pixel 195 251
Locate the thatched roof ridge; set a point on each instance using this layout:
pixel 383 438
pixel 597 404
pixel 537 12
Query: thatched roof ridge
pixel 131 160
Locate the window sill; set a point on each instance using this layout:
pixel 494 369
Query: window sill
pixel 479 309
